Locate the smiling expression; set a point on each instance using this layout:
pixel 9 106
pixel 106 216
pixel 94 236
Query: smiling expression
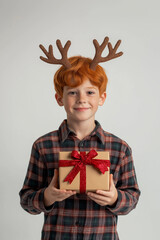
pixel 81 102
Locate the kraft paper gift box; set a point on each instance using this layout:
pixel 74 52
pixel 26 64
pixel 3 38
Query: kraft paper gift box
pixel 90 177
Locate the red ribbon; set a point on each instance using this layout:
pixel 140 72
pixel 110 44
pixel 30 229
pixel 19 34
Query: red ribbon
pixel 80 161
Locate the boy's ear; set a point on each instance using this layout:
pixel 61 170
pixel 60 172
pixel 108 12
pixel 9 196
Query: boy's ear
pixel 102 98
pixel 59 99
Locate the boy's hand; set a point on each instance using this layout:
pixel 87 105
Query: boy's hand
pixel 104 198
pixel 53 194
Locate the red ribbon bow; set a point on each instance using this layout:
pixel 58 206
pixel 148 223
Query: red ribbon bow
pixel 80 161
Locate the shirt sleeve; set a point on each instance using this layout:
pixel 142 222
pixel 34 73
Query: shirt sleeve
pixel 32 192
pixel 127 186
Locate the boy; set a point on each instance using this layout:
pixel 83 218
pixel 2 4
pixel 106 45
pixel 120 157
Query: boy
pixel 81 88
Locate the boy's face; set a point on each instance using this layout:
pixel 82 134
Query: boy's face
pixel 81 102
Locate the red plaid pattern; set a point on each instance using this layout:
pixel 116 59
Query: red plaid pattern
pixel 78 217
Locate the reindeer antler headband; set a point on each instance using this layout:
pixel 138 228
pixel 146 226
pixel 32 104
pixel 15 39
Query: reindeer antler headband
pixel 97 58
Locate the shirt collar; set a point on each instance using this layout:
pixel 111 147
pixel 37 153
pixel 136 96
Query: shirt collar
pixel 64 131
pixel 98 131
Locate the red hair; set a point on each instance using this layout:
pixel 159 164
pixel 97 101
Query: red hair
pixel 78 73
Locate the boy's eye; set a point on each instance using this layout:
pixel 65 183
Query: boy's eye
pixel 72 93
pixel 90 92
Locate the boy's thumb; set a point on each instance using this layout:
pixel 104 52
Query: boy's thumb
pixel 55 178
pixel 111 180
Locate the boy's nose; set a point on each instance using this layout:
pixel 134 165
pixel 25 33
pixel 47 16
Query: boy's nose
pixel 81 101
pixel 81 98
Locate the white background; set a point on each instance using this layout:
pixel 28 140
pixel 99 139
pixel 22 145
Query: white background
pixel 29 110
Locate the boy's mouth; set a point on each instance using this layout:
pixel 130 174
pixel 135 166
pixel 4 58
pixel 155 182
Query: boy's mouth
pixel 81 109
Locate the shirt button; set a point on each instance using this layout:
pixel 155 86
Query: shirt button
pixel 77 222
pixel 81 144
pixel 78 195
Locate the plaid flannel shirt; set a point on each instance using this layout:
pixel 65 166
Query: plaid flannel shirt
pixel 78 217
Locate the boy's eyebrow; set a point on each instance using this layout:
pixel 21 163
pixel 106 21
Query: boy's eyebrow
pixel 92 87
pixel 69 88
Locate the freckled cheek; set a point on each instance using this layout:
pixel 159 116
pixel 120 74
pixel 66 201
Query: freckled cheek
pixel 68 104
pixel 95 104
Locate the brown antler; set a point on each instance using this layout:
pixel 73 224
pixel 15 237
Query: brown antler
pixel 50 57
pixel 99 49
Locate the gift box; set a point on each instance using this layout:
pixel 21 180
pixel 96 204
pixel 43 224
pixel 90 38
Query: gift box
pixel 84 171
